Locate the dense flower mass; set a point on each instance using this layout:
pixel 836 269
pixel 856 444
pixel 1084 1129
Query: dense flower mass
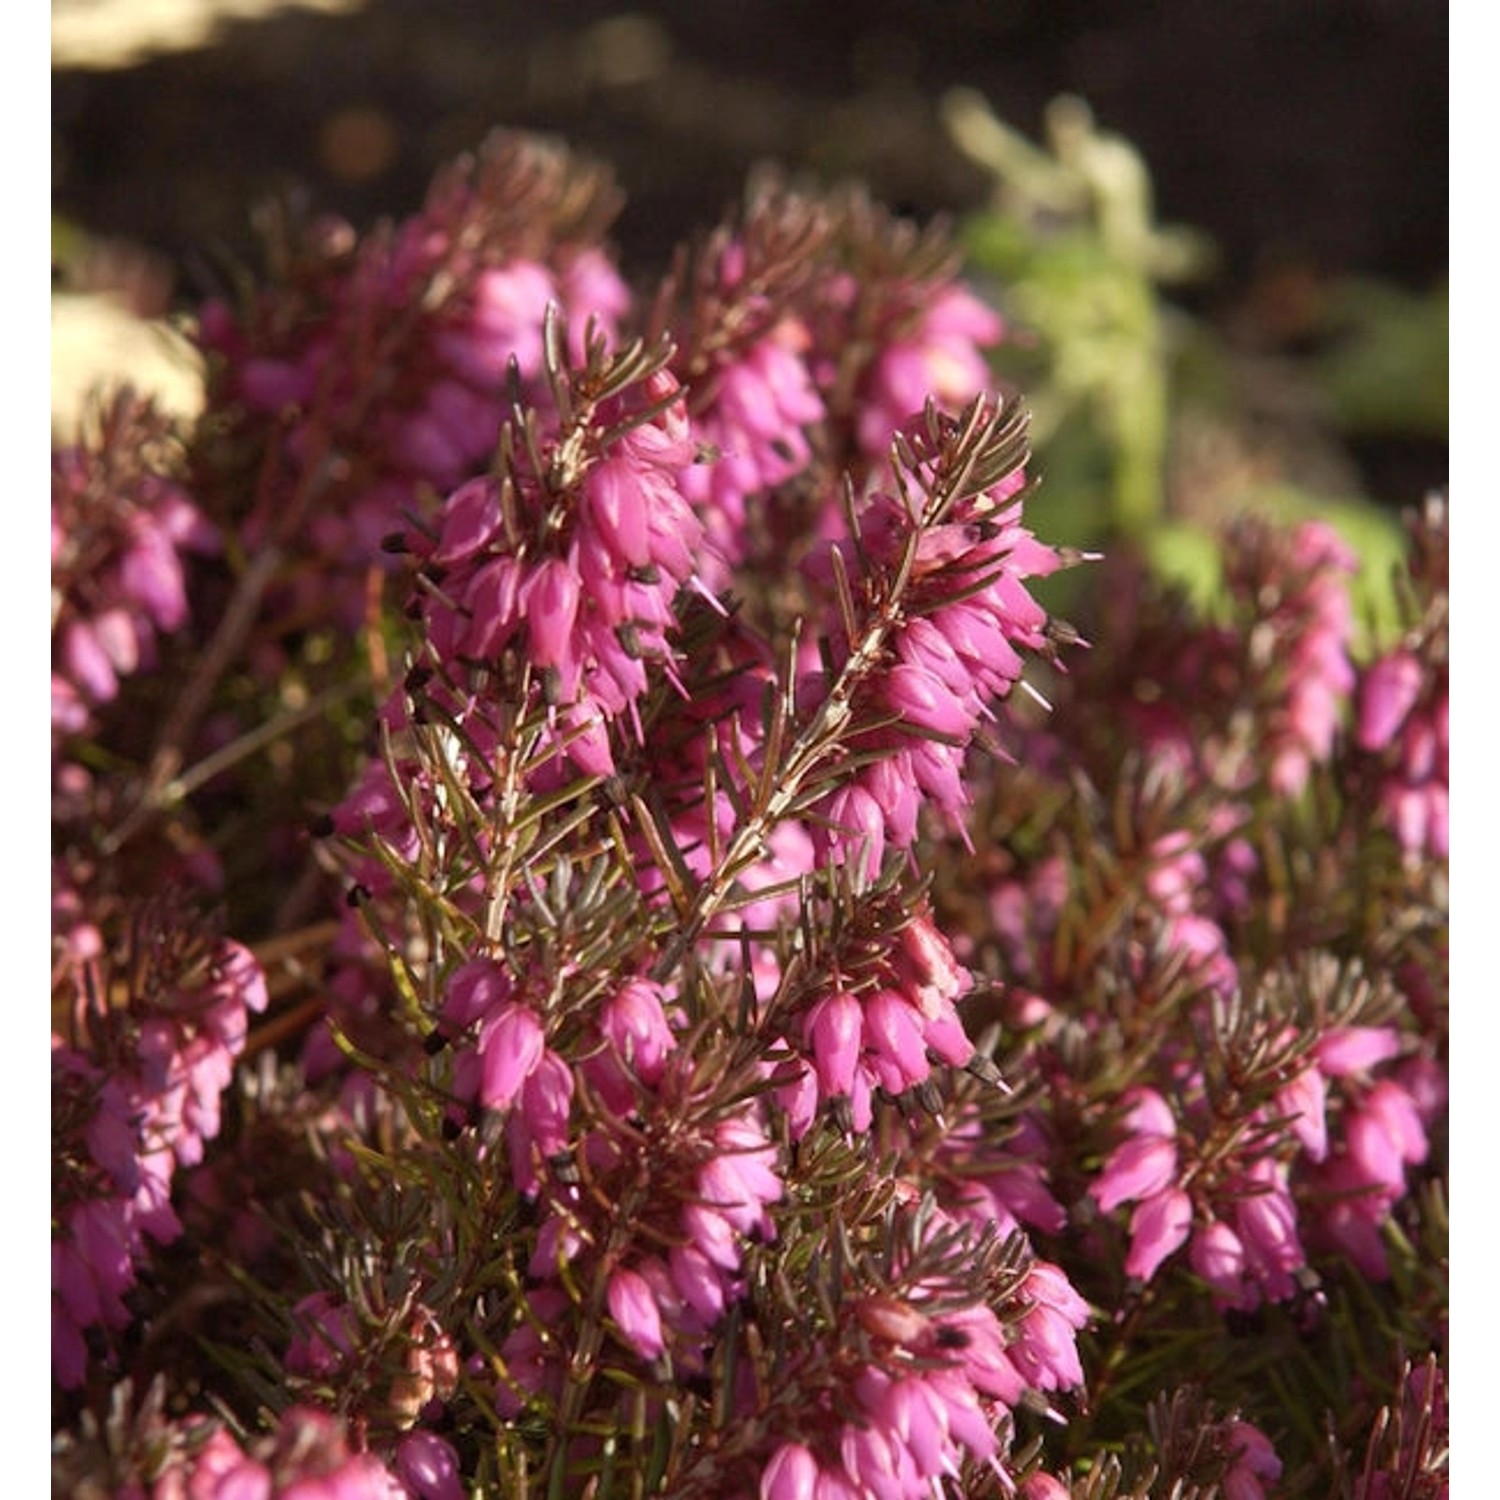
pixel 122 527
pixel 914 1392
pixel 745 1003
pixel 574 556
pixel 137 1099
pixel 385 364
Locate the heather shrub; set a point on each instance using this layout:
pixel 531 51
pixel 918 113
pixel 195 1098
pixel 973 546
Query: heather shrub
pixel 609 939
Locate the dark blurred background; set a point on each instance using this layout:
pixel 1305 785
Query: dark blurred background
pixel 1307 131
pixel 1307 138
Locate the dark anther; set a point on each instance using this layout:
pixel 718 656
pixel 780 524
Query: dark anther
pixel 565 1169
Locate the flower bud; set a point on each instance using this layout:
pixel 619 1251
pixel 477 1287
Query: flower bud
pixel 1387 695
pixel 633 1307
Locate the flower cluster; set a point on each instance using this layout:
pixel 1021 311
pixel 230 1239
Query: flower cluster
pixel 574 555
pixel 122 521
pixel 1402 701
pixel 1243 1215
pixel 139 1099
pixel 378 368
pixel 961 651
pixel 888 1017
pixel 310 1453
pixel 916 1391
pixel 691 1189
pixel 1256 697
pixel 751 1006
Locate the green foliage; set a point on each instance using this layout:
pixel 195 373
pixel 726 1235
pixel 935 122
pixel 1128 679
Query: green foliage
pixel 1386 369
pixel 1122 381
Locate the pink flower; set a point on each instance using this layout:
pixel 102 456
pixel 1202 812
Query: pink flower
pixel 531 1353
pixel 856 831
pixel 1265 1218
pixel 504 322
pixel 1316 618
pixel 791 1473
pixel 470 518
pixel 1385 1135
pixel 897 1050
pixel 633 1307
pixel 549 602
pixel 1158 1227
pixel 1217 1254
pixel 124 532
pixel 1343 1051
pixel 1413 790
pixel 933 976
pixel 511 1043
pixel 1254 1463
pixel 1040 1486
pixel 595 295
pixel 757 403
pixel 1139 1167
pixel 699 1282
pixel 922 699
pixel 619 506
pixel 1387 694
pixel 428 1467
pixel 1045 1350
pixel 324 1339
pixel 475 990
pixel 875 1462
pixel 1303 1101
pixel 938 354
pixel 538 1127
pixel 639 1040
pixel 835 1028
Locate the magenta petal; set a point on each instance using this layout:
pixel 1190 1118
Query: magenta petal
pixel 1345 1050
pixel 549 600
pixel 791 1474
pixel 633 1307
pixel 1390 690
pixel 1158 1227
pixel 1137 1168
pixel 835 1026
pixel 470 517
pixel 698 1282
pixel 619 507
pixel 510 1045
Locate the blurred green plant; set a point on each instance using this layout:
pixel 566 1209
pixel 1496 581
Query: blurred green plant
pixel 1071 239
pixel 1385 370
pixel 1122 381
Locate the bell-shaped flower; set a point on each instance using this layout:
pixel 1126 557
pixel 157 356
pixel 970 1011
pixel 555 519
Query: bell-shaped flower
pixel 791 1473
pixel 633 1307
pixel 1387 694
pixel 835 1028
pixel 511 1041
pixel 1158 1227
pixel 1139 1167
